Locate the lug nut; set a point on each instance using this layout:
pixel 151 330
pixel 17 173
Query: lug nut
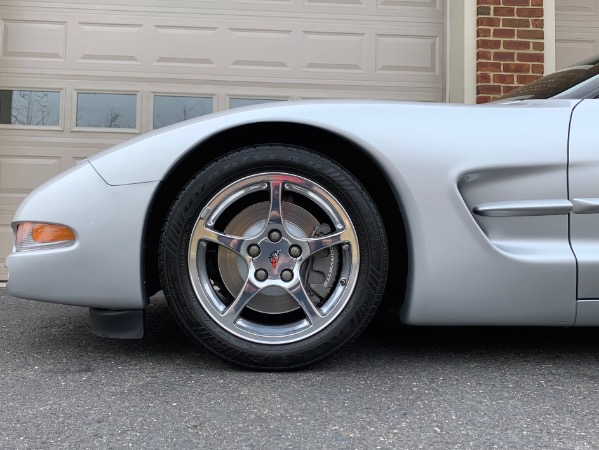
pixel 287 275
pixel 261 274
pixel 253 250
pixel 275 235
pixel 295 251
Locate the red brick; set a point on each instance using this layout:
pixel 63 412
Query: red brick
pixel 516 68
pixel 516 2
pixel 537 23
pixel 491 44
pixel 489 2
pixel 503 78
pixel 536 3
pixel 483 99
pixel 507 89
pixel 503 12
pixel 531 57
pixel 530 34
pixel 481 55
pixel 504 56
pixel 538 46
pixel 516 45
pixel 483 77
pixel 488 66
pixel 483 32
pixel 509 33
pixel 515 23
pixel 489 89
pixel 538 68
pixel 483 10
pixel 529 12
pixel 525 79
pixel 488 22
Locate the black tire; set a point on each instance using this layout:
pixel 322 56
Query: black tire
pixel 316 302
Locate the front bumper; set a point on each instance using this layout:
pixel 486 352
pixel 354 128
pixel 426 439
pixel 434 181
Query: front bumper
pixel 104 267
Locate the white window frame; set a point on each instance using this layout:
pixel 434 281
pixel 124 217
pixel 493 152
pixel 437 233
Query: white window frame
pixel 59 127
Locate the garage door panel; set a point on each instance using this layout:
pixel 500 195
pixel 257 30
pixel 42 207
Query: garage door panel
pixel 249 50
pixel 22 172
pixel 240 50
pixel 576 31
pixel 325 51
pixel 576 48
pixel 397 54
pixel 260 48
pixel 378 9
pixel 185 45
pixel 109 42
pixel 577 10
pixel 34 39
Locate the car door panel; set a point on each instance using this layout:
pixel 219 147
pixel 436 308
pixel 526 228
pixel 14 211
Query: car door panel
pixel 584 195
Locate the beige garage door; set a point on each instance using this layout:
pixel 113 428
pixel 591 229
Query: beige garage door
pixel 576 31
pixel 80 76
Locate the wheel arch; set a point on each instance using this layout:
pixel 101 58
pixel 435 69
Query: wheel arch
pixel 347 153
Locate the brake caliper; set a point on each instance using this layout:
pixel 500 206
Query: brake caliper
pixel 322 270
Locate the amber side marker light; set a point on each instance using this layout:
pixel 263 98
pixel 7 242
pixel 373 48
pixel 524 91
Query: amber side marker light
pixel 37 236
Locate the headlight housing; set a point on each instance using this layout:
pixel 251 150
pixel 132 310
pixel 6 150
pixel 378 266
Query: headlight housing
pixel 31 236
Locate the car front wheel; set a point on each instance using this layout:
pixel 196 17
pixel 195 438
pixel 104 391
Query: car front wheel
pixel 273 257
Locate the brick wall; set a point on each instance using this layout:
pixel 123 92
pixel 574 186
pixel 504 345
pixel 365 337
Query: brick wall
pixel 509 46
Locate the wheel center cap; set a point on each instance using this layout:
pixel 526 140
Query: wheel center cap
pixel 274 257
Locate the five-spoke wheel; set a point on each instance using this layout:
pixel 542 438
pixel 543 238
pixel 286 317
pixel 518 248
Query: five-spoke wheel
pixel 270 261
pixel 275 260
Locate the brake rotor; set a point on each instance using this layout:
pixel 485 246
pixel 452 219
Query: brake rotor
pixel 233 269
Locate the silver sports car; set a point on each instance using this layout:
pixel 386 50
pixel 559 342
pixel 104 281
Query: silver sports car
pixel 277 231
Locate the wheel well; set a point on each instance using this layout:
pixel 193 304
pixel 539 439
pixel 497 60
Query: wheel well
pixel 348 154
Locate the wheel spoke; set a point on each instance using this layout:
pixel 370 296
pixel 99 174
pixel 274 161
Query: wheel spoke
pixel 275 211
pixel 298 292
pixel 233 243
pixel 319 243
pixel 243 298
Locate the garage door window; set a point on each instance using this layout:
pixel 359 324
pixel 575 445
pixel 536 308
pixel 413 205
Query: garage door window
pixel 25 107
pixel 169 109
pixel 103 110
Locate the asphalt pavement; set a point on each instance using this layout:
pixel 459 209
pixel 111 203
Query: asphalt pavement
pixel 396 387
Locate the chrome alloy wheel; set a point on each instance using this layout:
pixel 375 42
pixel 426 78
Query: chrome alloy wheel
pixel 254 253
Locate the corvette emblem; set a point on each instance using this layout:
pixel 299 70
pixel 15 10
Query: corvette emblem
pixel 274 258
